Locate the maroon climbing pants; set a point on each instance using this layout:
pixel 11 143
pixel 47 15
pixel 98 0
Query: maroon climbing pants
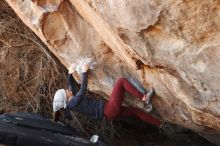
pixel 113 107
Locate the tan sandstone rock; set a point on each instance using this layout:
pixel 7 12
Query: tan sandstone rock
pixel 176 43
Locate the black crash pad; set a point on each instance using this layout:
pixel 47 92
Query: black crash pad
pixel 34 130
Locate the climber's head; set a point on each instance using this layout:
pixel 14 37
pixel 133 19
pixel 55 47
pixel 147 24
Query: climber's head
pixel 59 100
pixel 59 103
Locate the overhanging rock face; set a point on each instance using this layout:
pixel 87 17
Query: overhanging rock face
pixel 176 43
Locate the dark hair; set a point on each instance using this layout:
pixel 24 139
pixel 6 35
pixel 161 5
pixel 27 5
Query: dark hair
pixel 56 116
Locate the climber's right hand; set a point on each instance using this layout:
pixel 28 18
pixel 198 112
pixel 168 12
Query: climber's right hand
pixel 85 67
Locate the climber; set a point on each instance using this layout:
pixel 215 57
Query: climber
pixel 112 109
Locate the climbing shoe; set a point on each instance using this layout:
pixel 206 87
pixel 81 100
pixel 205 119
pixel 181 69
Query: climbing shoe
pixel 148 107
pixel 149 95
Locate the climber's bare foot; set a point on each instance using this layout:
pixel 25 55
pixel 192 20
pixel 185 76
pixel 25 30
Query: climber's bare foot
pixel 148 96
pixel 144 98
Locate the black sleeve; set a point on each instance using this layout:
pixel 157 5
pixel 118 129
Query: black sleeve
pixel 83 87
pixel 80 94
pixel 72 84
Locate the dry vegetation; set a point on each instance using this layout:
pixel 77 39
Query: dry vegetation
pixel 29 74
